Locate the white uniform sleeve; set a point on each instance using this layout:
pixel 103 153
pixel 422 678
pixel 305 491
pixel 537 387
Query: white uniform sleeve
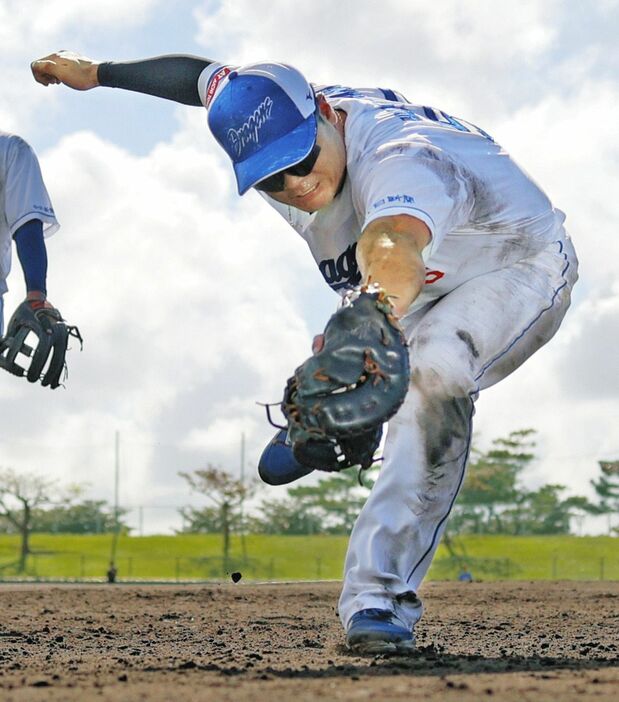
pixel 417 179
pixel 26 196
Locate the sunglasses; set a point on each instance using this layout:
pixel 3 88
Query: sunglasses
pixel 275 183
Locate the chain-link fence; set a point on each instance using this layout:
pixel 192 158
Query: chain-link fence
pixel 556 567
pixel 89 567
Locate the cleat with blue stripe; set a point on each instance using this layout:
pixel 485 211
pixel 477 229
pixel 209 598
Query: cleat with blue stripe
pixel 277 465
pixel 378 631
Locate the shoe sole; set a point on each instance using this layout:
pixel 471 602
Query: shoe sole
pixel 382 647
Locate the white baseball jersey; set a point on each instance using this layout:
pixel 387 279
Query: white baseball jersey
pixel 23 197
pixel 482 210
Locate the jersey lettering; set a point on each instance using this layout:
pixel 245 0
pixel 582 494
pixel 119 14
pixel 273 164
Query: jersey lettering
pixel 402 113
pixel 44 209
pixel 461 125
pixel 341 91
pixel 390 199
pixel 343 271
pixel 433 276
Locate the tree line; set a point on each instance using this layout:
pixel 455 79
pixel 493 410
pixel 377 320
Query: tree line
pixel 495 499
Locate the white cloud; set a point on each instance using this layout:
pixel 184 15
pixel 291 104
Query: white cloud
pixel 26 23
pixel 30 29
pixel 589 365
pixel 448 53
pixel 570 143
pixel 182 304
pixel 195 304
pixel 569 391
pixel 222 434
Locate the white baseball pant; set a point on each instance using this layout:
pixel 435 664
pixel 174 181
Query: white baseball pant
pixel 468 340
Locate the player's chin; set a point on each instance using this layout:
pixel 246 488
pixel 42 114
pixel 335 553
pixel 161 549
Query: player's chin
pixel 317 198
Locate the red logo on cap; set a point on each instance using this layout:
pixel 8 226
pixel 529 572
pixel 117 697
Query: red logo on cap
pixel 214 82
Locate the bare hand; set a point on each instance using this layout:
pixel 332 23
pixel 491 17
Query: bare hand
pixel 38 300
pixel 66 67
pixel 317 343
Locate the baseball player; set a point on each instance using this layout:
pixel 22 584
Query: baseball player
pixel 469 251
pixel 26 216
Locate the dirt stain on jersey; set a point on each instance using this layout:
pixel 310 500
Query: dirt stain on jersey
pixel 445 424
pixel 468 340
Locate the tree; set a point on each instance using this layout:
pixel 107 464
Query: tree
pixel 288 516
pixel 491 484
pixel 493 501
pixel 207 520
pixel 20 495
pixel 227 494
pixel 329 506
pixel 86 517
pixel 543 511
pixel 607 489
pixel 336 499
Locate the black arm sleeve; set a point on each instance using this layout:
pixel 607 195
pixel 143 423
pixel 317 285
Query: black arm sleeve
pixel 173 77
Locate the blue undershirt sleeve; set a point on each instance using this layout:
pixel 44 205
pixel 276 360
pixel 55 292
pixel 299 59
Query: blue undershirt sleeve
pixel 32 254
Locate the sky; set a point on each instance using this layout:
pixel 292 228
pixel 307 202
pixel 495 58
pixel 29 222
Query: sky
pixel 195 304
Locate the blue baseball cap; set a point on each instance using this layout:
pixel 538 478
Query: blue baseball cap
pixel 263 115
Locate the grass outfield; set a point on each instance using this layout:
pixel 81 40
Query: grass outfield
pixel 198 556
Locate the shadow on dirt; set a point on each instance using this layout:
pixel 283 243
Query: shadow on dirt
pixel 425 661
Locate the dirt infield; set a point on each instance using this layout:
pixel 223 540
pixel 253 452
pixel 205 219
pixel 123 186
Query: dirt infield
pixel 507 641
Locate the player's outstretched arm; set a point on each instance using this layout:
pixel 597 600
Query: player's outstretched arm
pixel 78 72
pixel 173 77
pixel 389 254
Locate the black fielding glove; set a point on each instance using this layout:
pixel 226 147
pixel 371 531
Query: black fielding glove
pixel 337 401
pixel 52 337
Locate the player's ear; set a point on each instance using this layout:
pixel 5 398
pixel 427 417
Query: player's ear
pixel 325 109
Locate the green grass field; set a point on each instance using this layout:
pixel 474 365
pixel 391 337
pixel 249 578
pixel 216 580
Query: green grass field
pixel 198 557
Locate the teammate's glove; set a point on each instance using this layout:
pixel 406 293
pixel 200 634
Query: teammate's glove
pixel 52 336
pixel 338 400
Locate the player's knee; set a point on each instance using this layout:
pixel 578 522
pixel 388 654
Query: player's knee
pixel 442 365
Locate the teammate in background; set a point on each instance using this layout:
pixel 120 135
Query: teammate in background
pixel 427 206
pixel 465 575
pixel 111 573
pixel 26 217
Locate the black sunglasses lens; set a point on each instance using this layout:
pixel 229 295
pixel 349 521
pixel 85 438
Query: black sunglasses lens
pixel 272 184
pixel 306 166
pixel 275 183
